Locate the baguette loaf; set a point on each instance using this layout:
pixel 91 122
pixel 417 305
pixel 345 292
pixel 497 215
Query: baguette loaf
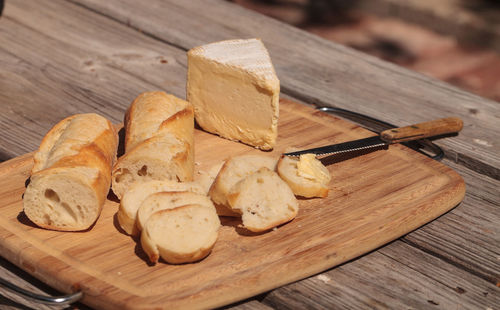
pixel 159 142
pixel 168 200
pixel 306 176
pixel 264 201
pixel 181 235
pixel 138 192
pixel 71 175
pixel 233 170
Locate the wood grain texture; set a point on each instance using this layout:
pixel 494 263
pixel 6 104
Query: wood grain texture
pixel 469 235
pixel 387 275
pixel 473 21
pixel 75 60
pixel 359 215
pixel 442 126
pixel 324 73
pixel 57 59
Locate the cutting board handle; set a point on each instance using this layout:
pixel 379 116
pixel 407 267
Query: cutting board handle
pixel 422 130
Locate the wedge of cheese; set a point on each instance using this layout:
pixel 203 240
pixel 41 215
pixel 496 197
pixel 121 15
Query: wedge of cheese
pixel 235 92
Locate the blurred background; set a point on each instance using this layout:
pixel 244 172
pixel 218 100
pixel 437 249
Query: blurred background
pixel 457 41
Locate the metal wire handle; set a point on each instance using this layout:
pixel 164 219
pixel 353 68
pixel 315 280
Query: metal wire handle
pixel 48 300
pixel 377 125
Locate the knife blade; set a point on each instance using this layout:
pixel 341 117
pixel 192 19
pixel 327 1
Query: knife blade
pixel 390 136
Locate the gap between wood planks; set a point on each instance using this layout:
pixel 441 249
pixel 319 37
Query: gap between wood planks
pixel 184 49
pixel 459 158
pixel 157 38
pixel 484 164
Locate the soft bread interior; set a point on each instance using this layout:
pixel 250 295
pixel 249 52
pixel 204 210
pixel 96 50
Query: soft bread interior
pixel 168 200
pixel 233 170
pixel 135 195
pixel 264 200
pixel 163 157
pixel 181 235
pixel 62 200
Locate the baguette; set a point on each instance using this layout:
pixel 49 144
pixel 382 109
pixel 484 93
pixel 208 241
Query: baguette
pixel 181 235
pixel 233 170
pixel 138 192
pixel 159 142
pixel 206 178
pixel 264 200
pixel 71 175
pixel 306 175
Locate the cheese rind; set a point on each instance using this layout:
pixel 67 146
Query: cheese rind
pixel 235 92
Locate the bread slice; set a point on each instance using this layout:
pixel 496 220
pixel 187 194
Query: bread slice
pixel 162 157
pixel 168 200
pixel 206 178
pixel 306 175
pixel 264 200
pixel 233 170
pixel 159 142
pixel 181 235
pixel 138 192
pixel 71 175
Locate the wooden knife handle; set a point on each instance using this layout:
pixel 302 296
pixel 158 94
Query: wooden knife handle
pixel 423 130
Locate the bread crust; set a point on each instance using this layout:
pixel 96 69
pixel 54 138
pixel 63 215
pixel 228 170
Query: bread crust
pixel 159 131
pixel 79 150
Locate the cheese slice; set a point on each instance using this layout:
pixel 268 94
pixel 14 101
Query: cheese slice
pixel 235 91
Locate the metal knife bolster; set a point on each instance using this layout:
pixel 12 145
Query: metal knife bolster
pixel 350 146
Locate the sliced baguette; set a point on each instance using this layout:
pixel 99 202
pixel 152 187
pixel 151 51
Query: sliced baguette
pixel 159 142
pixel 181 235
pixel 138 192
pixel 71 175
pixel 233 170
pixel 306 176
pixel 168 200
pixel 264 200
pixel 206 178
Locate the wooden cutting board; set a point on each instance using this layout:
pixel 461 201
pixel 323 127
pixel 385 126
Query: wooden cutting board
pixel 373 199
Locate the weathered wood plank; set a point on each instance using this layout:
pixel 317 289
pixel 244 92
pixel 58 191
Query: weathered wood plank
pixel 321 72
pixel 469 235
pixel 475 21
pixel 10 300
pixel 249 305
pixel 380 279
pixel 57 68
pixel 107 91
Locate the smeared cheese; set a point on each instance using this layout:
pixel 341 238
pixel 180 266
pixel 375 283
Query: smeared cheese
pixel 235 92
pixel 311 168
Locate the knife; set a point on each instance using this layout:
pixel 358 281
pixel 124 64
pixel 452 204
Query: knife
pixel 390 136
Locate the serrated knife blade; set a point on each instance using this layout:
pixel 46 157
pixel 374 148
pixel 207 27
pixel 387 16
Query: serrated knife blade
pixel 390 136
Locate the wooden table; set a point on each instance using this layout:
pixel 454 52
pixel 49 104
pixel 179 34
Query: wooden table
pixel 63 57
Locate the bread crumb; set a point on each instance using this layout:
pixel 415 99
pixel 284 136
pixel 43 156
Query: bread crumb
pixel 324 278
pixel 119 273
pixel 197 163
pixel 275 228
